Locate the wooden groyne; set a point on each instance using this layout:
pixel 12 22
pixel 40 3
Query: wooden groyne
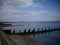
pixel 43 30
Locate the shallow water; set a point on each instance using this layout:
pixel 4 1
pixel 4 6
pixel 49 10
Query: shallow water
pixel 51 38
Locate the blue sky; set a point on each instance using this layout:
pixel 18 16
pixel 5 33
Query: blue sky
pixel 29 10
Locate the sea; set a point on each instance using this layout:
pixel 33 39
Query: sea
pixel 49 38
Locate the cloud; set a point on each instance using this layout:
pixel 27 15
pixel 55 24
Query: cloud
pixel 42 12
pixel 8 10
pixel 21 3
pixel 1 2
pixel 8 7
pixel 18 3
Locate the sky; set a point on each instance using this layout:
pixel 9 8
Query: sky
pixel 29 10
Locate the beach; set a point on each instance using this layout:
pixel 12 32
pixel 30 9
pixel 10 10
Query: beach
pixel 19 40
pixel 23 40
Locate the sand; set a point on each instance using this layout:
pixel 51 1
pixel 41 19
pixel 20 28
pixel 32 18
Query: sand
pixel 19 39
pixel 24 40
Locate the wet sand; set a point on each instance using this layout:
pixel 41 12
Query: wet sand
pixel 20 40
pixel 23 40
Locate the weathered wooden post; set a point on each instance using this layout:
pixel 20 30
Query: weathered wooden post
pixel 24 31
pixel 14 31
pixel 33 31
pixel 29 30
pixel 49 28
pixel 42 29
pixel 38 30
pixel 45 30
pixel 19 31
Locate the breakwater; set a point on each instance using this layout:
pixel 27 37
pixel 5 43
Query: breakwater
pixel 43 30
